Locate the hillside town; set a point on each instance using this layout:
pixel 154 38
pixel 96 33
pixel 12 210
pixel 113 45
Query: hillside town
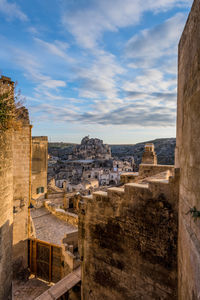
pixel 88 168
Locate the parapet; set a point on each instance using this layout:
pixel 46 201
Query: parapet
pixel 40 138
pixel 148 170
pixel 128 177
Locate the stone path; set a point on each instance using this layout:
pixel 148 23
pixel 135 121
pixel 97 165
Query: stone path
pixel 48 227
pixel 29 290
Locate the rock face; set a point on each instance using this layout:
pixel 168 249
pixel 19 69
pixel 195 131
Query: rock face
pixel 188 156
pixel 91 149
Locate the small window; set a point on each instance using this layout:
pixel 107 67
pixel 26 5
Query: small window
pixel 40 190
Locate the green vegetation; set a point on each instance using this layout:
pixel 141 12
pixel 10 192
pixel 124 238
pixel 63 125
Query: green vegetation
pixel 10 106
pixel 7 111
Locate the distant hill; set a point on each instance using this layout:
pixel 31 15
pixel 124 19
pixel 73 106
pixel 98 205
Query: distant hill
pixel 61 150
pixel 60 145
pixel 164 148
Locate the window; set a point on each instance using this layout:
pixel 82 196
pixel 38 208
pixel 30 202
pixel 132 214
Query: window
pixel 40 190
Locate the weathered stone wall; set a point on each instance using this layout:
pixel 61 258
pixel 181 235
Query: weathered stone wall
pixel 6 214
pixel 21 190
pixel 39 164
pixel 66 216
pixel 128 177
pixel 69 253
pixel 188 156
pixel 148 170
pixel 128 242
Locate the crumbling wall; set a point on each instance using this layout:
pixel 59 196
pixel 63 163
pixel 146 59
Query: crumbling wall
pixel 6 214
pixel 188 156
pixel 39 165
pixel 21 190
pixel 128 242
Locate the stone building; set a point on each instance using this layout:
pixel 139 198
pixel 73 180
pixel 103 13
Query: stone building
pixel 21 191
pixel 15 189
pixel 188 156
pixel 6 214
pixel 39 166
pixel 15 182
pixel 6 198
pixel 149 155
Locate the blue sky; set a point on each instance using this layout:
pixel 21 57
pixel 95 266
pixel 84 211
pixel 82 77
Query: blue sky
pixel 107 68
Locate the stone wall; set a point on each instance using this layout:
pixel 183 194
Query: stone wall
pixel 148 170
pixel 21 190
pixel 66 216
pixel 69 253
pixel 188 156
pixel 128 177
pixel 6 214
pixel 128 242
pixel 39 165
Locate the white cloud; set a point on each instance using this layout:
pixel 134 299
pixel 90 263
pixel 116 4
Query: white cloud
pixel 132 114
pixel 150 81
pixel 162 40
pixel 11 10
pixel 53 84
pixel 57 48
pixel 99 78
pixel 89 23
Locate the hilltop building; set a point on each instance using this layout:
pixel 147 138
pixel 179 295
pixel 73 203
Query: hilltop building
pixel 91 149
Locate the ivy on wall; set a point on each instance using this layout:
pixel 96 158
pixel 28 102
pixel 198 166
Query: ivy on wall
pixel 10 105
pixel 7 110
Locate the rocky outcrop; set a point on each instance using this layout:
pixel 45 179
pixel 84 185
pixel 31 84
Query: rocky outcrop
pixel 91 149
